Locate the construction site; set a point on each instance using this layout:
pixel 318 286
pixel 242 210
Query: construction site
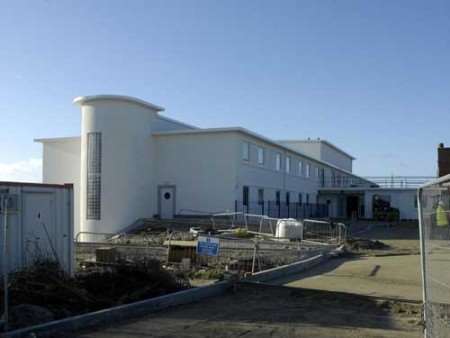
pixel 299 246
pixel 230 274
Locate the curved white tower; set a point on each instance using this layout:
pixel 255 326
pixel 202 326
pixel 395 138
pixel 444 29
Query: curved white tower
pixel 117 181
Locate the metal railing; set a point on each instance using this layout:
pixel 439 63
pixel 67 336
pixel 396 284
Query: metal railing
pixel 375 182
pixel 400 181
pixel 346 182
pixel 324 231
pixel 283 210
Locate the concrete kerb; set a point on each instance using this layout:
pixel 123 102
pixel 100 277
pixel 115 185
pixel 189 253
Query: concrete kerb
pixel 289 269
pixel 120 313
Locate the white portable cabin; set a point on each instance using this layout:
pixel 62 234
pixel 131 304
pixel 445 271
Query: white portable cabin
pixel 39 221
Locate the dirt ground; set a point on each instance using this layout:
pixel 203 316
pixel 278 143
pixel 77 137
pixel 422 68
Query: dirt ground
pixel 269 311
pixel 402 238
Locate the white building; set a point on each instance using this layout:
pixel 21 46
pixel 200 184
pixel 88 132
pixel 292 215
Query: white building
pixel 130 162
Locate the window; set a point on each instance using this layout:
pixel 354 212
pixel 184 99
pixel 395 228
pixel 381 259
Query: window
pixel 300 168
pixel 245 151
pixel 261 196
pixel 288 198
pixel 260 155
pixel 300 198
pixel 317 172
pixel 278 197
pixel 94 171
pixel 308 170
pixel 307 199
pixel 245 195
pixel 278 162
pixel 288 164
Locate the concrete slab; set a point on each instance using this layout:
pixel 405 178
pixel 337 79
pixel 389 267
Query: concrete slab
pixel 389 276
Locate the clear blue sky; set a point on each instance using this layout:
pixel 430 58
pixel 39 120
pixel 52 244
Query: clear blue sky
pixel 369 76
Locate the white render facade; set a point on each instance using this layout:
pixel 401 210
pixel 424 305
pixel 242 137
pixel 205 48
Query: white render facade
pixel 130 162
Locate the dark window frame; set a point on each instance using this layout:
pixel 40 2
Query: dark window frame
pixel 245 195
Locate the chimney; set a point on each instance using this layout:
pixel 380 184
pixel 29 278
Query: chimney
pixel 443 160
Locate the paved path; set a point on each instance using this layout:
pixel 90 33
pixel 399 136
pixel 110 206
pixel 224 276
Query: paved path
pixel 390 276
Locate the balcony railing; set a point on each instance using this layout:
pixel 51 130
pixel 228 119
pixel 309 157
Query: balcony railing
pixel 400 181
pixel 346 182
pixel 376 181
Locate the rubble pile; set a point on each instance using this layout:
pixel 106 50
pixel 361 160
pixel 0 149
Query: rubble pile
pixel 45 291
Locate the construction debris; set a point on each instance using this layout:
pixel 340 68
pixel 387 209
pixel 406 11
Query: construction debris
pixel 44 292
pixel 358 244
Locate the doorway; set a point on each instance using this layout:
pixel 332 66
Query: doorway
pixel 167 202
pixel 39 231
pixel 352 207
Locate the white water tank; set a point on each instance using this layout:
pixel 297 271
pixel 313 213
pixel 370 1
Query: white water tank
pixel 117 153
pixel 289 228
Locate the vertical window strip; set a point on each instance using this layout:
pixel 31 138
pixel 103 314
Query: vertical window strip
pixel 94 170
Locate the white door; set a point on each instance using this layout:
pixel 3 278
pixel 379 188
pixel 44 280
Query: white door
pixel 167 202
pixel 39 233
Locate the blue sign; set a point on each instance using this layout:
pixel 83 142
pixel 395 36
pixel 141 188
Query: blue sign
pixel 207 246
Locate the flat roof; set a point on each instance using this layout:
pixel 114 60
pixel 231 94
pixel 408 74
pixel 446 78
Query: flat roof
pixel 80 100
pixel 33 184
pixel 255 135
pixel 57 139
pixel 328 143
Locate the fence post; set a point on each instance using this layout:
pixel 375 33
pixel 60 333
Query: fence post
pixel 255 249
pixel 279 210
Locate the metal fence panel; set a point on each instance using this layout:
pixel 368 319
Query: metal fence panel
pixel 434 206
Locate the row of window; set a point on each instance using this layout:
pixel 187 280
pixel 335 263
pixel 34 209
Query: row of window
pixel 302 169
pixel 261 200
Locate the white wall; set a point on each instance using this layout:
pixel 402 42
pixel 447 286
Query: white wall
pixel 403 199
pixel 202 168
pixel 257 176
pixel 310 148
pixel 333 156
pixel 127 177
pixel 321 151
pixel 40 210
pixel 61 164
